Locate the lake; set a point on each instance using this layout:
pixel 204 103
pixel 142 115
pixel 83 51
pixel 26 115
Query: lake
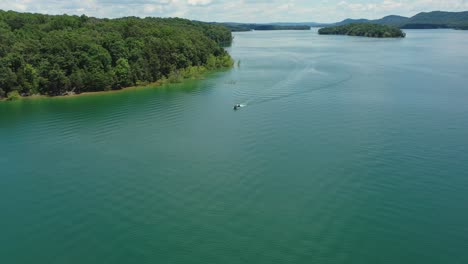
pixel 348 150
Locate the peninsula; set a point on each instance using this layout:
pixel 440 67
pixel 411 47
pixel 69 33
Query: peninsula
pixel 61 55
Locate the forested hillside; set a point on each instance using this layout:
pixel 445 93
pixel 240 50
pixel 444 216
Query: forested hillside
pixel 438 19
pixel 429 20
pixel 55 55
pixel 392 20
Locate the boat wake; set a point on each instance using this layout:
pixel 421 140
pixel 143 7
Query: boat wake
pixel 290 87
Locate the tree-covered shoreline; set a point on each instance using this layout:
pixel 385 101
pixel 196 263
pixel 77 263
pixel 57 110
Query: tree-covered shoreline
pixel 57 55
pixel 364 30
pixel 241 27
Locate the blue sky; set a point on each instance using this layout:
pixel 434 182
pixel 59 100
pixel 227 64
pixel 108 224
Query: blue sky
pixel 238 10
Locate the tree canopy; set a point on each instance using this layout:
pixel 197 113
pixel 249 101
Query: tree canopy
pixel 54 55
pixel 364 30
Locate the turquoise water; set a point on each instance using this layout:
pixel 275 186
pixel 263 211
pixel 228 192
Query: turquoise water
pixel 349 150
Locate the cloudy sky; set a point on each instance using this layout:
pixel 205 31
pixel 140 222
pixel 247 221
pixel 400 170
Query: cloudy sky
pixel 238 10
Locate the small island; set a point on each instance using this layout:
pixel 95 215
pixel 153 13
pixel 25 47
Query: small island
pixel 364 30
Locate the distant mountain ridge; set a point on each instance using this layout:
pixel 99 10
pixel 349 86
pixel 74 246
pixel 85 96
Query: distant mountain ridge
pixel 424 20
pixel 388 20
pixel 435 19
pixel 310 24
pixel 237 27
pixel 438 19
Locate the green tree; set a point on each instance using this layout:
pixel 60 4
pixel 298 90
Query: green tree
pixel 30 80
pixel 13 95
pixel 77 81
pixel 123 73
pixel 58 81
pixel 211 62
pixel 8 79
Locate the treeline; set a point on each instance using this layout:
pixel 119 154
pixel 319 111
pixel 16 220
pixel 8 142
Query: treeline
pixel 239 27
pixel 55 55
pixel 277 27
pixel 364 30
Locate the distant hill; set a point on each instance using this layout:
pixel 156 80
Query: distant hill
pixel 238 27
pixel 310 24
pixel 279 27
pixel 352 21
pixel 436 19
pixel 388 20
pixel 391 20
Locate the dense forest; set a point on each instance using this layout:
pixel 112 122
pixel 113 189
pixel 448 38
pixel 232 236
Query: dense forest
pixel 364 30
pixel 56 55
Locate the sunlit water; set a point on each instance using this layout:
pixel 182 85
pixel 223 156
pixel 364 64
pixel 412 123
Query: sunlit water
pixel 348 150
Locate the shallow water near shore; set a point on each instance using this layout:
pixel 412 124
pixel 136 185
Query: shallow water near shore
pixel 348 150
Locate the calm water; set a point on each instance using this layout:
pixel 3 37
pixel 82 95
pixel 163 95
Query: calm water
pixel 350 150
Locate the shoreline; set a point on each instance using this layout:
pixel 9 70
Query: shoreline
pixel 43 96
pixel 200 75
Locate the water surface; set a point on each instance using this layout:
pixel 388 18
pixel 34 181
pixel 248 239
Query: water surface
pixel 349 150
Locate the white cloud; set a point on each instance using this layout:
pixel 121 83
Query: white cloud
pixel 199 2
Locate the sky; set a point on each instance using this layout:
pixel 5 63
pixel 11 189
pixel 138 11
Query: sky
pixel 254 11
